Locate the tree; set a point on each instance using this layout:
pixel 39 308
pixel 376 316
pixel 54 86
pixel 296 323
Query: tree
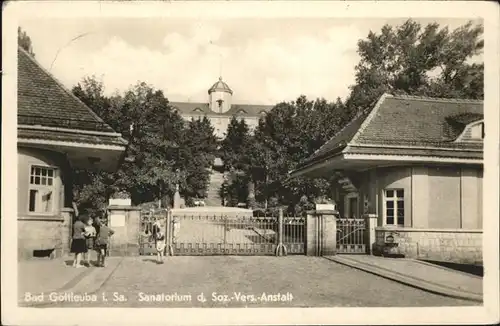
pixel 290 133
pixel 92 189
pixel 412 60
pixel 199 145
pixel 235 146
pixel 236 188
pixel 236 151
pixel 24 41
pixel 153 142
pixel 91 92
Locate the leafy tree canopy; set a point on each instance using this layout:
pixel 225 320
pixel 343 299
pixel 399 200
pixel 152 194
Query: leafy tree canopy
pixel 409 59
pixel 416 60
pixel 166 149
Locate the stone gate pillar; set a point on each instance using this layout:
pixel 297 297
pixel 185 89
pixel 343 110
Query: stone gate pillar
pixel 370 225
pixel 66 230
pixel 125 222
pixel 312 238
pixel 321 232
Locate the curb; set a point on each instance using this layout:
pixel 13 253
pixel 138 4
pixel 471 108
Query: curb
pixel 410 281
pixel 77 285
pixel 446 268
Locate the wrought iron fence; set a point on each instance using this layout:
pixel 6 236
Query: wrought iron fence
pixel 294 234
pixel 237 235
pixel 351 235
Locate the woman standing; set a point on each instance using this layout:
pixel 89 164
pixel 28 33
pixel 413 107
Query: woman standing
pixel 78 244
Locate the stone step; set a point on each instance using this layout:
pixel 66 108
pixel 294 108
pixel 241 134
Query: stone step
pixel 213 202
pixel 215 183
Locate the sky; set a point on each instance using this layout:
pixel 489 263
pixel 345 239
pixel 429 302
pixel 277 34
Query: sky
pixel 264 61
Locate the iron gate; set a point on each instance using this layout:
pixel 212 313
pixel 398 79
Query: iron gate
pixel 147 219
pixel 351 236
pixel 294 234
pixel 236 235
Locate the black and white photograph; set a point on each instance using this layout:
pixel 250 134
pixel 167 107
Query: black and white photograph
pixel 297 155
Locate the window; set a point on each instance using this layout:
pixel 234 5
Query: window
pixel 394 207
pixel 41 189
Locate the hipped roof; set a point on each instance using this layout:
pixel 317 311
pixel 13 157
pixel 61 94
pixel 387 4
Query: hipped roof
pixel 416 125
pixel 43 102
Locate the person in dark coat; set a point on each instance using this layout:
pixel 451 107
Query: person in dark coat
pixel 78 243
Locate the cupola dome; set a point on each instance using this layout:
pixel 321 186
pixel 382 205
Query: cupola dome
pixel 220 86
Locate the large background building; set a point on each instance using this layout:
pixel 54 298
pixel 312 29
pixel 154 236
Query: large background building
pixel 220 109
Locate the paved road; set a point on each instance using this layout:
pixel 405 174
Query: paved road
pixel 301 281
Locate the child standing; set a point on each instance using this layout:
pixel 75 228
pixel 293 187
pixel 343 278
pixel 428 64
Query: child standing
pixel 89 238
pixel 102 241
pixel 159 237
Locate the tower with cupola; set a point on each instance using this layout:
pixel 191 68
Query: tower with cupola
pixel 220 96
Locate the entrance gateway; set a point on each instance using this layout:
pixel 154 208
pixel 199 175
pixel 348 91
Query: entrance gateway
pixel 198 232
pixel 351 236
pixel 202 233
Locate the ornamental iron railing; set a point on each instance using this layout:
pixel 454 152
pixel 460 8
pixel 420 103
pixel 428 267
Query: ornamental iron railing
pixel 147 219
pixel 208 234
pixel 351 236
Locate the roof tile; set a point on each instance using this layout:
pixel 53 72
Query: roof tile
pixel 42 100
pixel 417 121
pixel 407 121
pixel 56 135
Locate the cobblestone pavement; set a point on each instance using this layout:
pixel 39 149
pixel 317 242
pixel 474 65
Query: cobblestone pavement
pixel 293 281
